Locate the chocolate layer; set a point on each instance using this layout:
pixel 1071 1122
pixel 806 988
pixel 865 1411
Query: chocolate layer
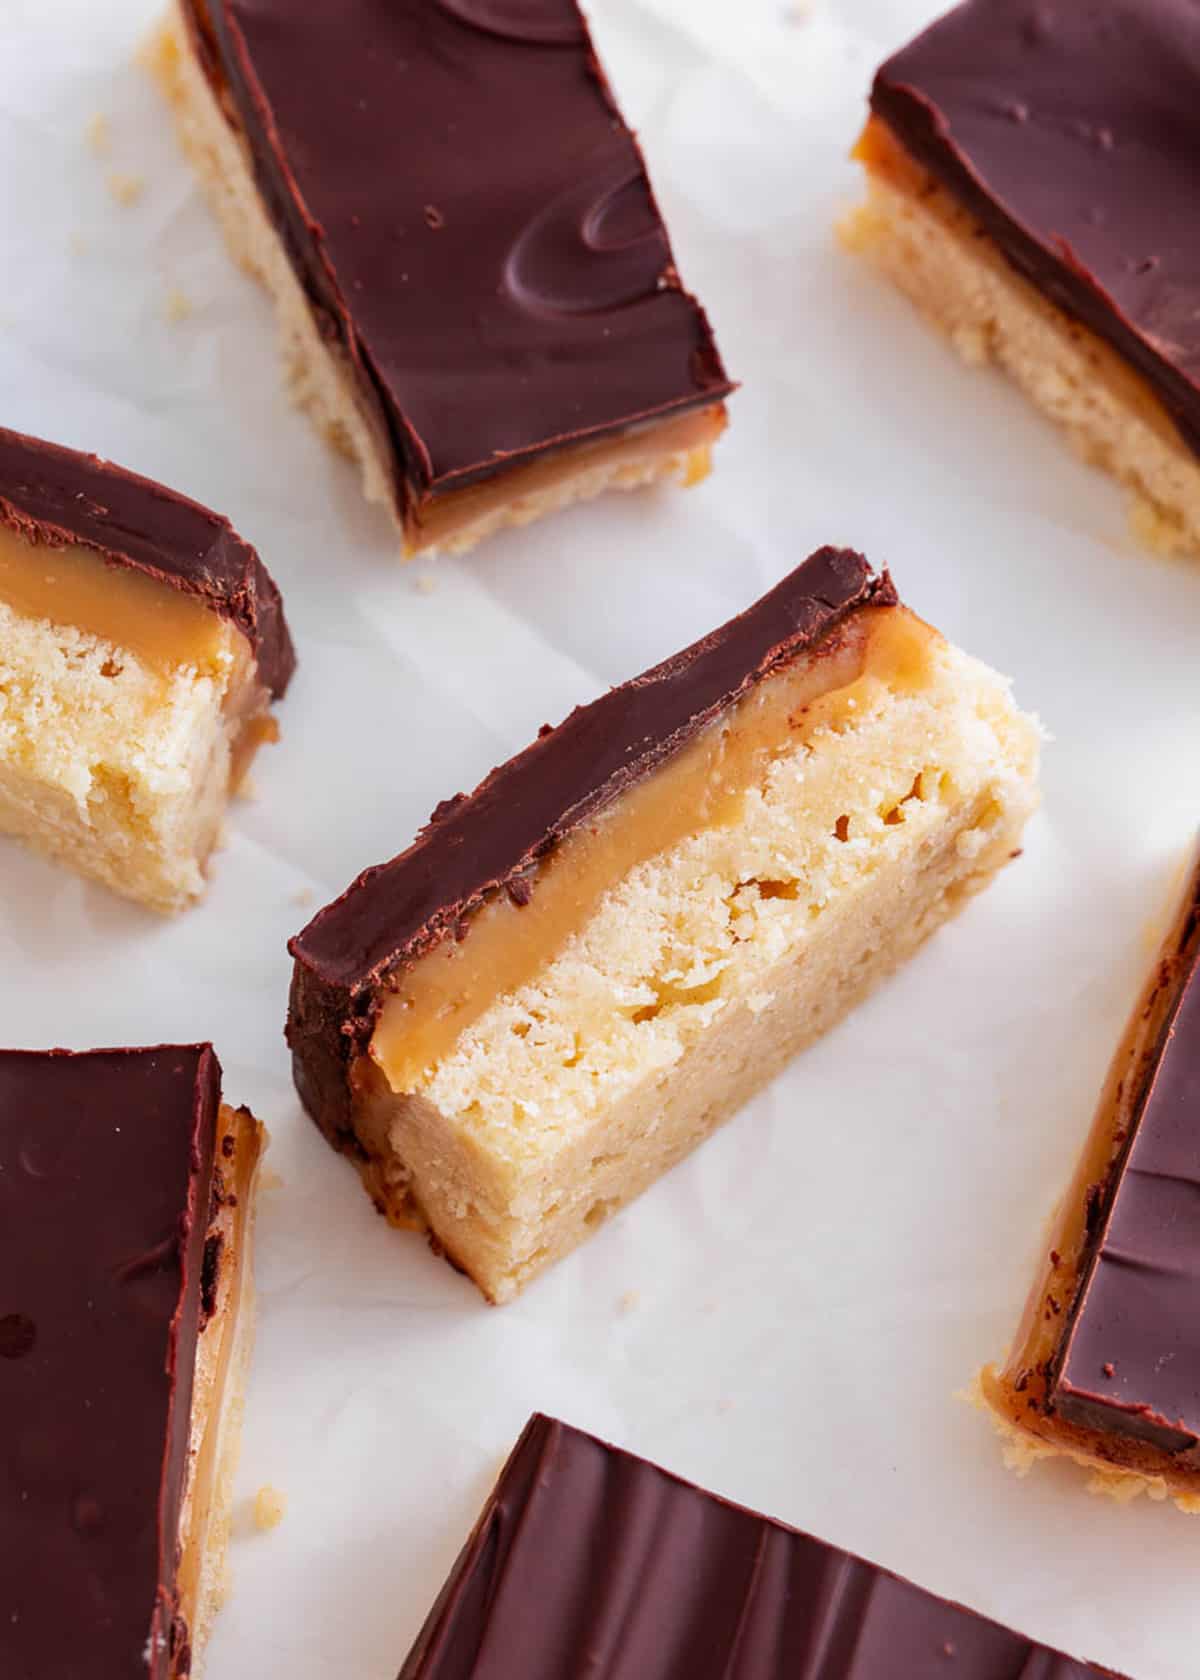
pixel 589 1560
pixel 491 840
pixel 1129 1363
pixel 106 1171
pixel 471 221
pixel 60 496
pixel 1071 131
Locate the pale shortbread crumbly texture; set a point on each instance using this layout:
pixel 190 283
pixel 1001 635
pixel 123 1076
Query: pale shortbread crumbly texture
pixel 218 1406
pixel 116 769
pixel 940 258
pixel 704 971
pixel 1021 1450
pixel 316 376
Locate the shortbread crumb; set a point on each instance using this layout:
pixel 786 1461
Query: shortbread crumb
pixel 270 1508
pixel 126 189
pixel 178 306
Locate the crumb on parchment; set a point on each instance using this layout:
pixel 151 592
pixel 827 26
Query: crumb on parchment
pixel 270 1508
pixel 178 305
pixel 126 189
pixel 98 134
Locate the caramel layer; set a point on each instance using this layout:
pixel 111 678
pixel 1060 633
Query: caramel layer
pixel 883 155
pixel 704 786
pixel 216 1373
pixel 162 626
pixel 1018 1393
pixel 693 433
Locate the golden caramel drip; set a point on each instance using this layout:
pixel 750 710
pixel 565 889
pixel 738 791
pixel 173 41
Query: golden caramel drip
pixel 694 433
pixel 704 786
pixel 160 625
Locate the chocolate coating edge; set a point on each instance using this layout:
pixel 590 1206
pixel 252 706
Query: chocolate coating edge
pixel 481 843
pixel 58 496
pixel 586 1556
pixel 1128 1363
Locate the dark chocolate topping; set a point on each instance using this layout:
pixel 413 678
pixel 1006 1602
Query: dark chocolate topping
pixel 106 1164
pixel 491 841
pixel 470 218
pixel 1130 1359
pixel 60 496
pixel 479 843
pixel 589 1560
pixel 1070 129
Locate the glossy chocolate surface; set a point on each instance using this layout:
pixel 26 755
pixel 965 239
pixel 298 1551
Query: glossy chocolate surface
pixel 470 218
pixel 1130 1359
pixel 587 1560
pixel 60 496
pixel 106 1166
pixel 1070 129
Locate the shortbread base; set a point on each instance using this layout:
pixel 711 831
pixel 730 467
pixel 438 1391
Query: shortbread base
pixel 319 382
pixel 119 770
pixel 935 252
pixel 698 978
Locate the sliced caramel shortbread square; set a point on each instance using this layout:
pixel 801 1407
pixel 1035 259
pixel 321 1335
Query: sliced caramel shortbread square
pixel 142 644
pixel 579 970
pixel 476 292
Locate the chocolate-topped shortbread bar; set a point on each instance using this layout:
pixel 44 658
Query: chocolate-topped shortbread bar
pixel 1106 1365
pixel 476 291
pixel 1032 189
pixel 588 1559
pixel 141 646
pixel 579 970
pixel 126 1197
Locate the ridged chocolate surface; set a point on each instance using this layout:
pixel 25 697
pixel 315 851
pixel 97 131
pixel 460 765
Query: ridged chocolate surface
pixel 1070 129
pixel 60 496
pixel 493 838
pixel 1130 1361
pixel 106 1166
pixel 589 1561
pixel 469 216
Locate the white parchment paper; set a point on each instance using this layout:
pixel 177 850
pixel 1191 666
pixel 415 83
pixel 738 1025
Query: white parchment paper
pixel 788 1317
